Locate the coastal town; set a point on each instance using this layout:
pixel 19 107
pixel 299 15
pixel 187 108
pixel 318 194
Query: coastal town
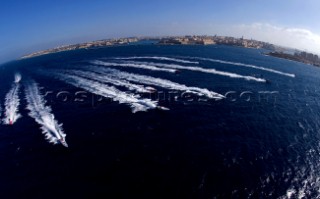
pixel 183 40
pixel 303 57
pixel 219 40
pixel 276 51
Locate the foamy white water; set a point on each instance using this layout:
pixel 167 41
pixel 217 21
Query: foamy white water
pixel 159 58
pixel 246 65
pixel 42 115
pixel 12 102
pixel 200 69
pixel 148 80
pixel 132 65
pixel 134 101
pixel 109 80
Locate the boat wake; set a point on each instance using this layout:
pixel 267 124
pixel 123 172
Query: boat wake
pixel 12 102
pixel 176 67
pixel 187 60
pixel 109 80
pixel 133 100
pixel 160 59
pixel 42 114
pixel 152 81
pixel 133 65
pixel 246 65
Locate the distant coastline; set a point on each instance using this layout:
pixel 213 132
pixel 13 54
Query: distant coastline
pixel 183 40
pixel 87 45
pixel 276 51
pixel 303 57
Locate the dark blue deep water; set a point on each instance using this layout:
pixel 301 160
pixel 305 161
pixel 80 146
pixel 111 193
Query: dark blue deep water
pixel 265 146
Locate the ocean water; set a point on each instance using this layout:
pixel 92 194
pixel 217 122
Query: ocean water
pixel 260 141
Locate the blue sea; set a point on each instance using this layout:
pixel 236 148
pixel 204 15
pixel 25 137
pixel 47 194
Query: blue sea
pixel 257 136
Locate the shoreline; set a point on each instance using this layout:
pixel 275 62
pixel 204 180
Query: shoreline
pixel 303 57
pixel 177 40
pixel 275 51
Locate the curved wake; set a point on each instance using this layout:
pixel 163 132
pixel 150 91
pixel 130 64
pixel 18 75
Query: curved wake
pixel 109 80
pixel 42 114
pixel 159 58
pixel 192 68
pixel 132 65
pixel 134 101
pixel 148 80
pixel 12 102
pixel 183 60
pixel 246 65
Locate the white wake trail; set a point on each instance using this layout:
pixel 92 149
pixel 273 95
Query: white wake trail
pixel 12 102
pixel 132 65
pixel 159 58
pixel 148 80
pixel 109 80
pixel 199 69
pixel 42 114
pixel 246 65
pixel 136 103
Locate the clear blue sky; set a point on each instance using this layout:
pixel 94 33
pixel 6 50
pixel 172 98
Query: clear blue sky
pixel 31 25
